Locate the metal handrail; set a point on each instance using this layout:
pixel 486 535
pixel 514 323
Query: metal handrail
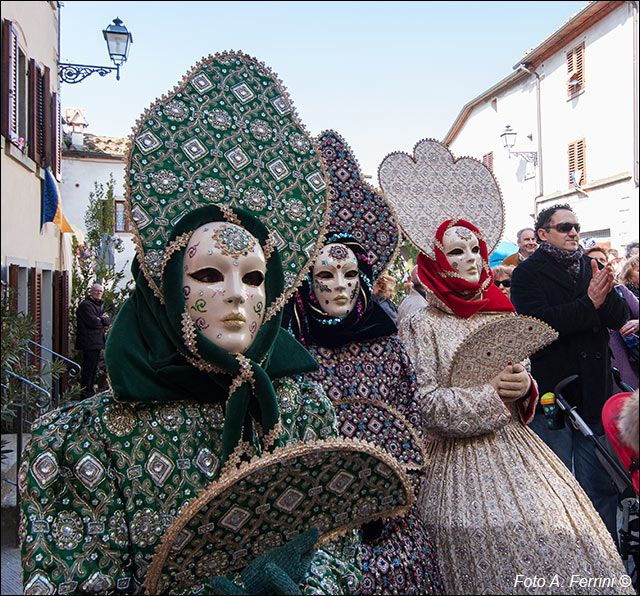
pixel 75 367
pixel 20 424
pixel 37 387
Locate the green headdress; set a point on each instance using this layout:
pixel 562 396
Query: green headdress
pixel 224 145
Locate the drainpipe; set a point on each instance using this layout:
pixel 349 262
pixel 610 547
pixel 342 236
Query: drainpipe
pixel 532 71
pixel 635 91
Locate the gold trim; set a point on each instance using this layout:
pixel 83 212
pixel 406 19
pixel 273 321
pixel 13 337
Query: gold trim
pixel 288 291
pixel 175 245
pixel 545 336
pixel 260 462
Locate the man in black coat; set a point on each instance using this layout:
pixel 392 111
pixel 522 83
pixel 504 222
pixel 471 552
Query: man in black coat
pixel 91 322
pixel 572 293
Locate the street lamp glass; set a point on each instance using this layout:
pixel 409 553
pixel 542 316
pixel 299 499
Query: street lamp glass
pixel 118 41
pixel 508 137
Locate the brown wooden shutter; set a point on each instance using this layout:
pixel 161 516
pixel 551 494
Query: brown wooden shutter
pixel 487 160
pixel 46 120
pixel 33 120
pixel 61 319
pixel 13 284
pixel 35 308
pixel 575 70
pixel 9 81
pixel 577 161
pixel 56 137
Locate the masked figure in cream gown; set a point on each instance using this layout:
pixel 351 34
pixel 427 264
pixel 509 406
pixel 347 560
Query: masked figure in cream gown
pixel 506 515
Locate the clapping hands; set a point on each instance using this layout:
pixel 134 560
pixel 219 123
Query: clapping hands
pixel 602 282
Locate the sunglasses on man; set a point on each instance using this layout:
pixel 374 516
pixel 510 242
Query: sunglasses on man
pixel 505 282
pixel 564 227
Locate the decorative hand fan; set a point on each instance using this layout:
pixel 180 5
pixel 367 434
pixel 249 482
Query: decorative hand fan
pixel 333 485
pixel 491 347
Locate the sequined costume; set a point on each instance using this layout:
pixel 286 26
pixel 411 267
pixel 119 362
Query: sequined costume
pixel 499 504
pixel 102 481
pixel 402 559
pixel 366 373
pixel 106 482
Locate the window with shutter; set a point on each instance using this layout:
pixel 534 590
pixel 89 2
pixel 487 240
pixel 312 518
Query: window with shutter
pixel 487 160
pixel 35 309
pixel 577 163
pixel 10 70
pixel 13 284
pixel 34 135
pixel 575 71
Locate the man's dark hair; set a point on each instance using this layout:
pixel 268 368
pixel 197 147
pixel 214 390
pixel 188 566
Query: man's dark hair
pixel 544 217
pixel 629 247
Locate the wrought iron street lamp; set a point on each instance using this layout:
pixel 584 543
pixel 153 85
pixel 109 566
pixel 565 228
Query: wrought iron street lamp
pixel 118 40
pixel 508 137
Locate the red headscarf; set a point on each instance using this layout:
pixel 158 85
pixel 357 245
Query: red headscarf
pixel 455 292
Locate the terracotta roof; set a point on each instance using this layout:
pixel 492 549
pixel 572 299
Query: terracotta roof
pixel 568 31
pixel 97 146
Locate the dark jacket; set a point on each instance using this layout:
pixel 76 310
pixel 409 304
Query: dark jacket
pixel 91 323
pixel 542 289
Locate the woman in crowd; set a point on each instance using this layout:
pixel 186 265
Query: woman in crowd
pixel 364 369
pixel 628 275
pixel 500 505
pixel 502 278
pixel 384 291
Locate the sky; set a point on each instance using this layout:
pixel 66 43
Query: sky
pixel 382 74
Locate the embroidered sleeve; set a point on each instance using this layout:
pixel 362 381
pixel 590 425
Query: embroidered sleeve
pixel 336 567
pixel 73 529
pixel 448 411
pixel 306 412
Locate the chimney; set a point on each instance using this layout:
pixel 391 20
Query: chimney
pixel 76 120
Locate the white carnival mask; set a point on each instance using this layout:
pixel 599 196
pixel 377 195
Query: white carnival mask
pixel 462 251
pixel 336 280
pixel 223 280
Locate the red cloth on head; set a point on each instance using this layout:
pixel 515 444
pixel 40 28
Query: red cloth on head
pixel 454 291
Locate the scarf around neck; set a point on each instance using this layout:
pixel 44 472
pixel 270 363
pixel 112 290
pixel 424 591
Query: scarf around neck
pixel 155 354
pixel 569 260
pixel 461 296
pixel 305 319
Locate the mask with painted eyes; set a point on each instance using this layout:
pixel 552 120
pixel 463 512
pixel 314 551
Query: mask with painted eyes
pixel 462 252
pixel 336 280
pixel 223 280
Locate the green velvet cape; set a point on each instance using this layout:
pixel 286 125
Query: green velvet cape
pixel 146 355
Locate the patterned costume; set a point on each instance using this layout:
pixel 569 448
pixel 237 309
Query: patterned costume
pixel 501 506
pixel 105 482
pixel 366 373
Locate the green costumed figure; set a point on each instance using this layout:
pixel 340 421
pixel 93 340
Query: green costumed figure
pixel 226 196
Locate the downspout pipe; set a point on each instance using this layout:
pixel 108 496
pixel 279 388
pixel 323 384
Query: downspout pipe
pixel 527 68
pixel 634 9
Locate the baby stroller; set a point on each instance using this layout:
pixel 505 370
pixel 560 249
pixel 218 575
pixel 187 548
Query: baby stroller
pixel 628 525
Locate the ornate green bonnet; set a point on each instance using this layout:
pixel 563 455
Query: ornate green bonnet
pixel 227 135
pixel 224 145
